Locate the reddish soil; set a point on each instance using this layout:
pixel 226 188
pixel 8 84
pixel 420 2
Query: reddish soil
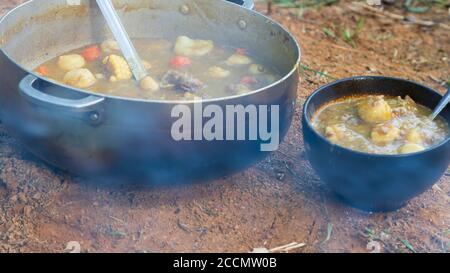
pixel 276 202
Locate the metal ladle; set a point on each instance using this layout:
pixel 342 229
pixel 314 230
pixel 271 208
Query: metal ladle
pixel 126 46
pixel 444 101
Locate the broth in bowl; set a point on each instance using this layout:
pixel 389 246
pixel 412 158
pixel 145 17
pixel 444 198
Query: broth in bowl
pixel 380 125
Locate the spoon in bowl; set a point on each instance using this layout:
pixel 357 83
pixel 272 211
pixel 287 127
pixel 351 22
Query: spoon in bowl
pixel 444 101
pixel 128 50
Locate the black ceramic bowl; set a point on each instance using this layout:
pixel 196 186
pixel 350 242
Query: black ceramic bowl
pixel 368 181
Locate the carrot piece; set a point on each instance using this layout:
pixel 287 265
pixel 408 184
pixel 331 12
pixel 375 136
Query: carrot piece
pixel 179 61
pixel 92 53
pixel 248 80
pixel 43 70
pixel 241 51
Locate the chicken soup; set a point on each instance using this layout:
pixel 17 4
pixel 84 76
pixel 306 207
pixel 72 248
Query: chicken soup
pixel 184 69
pixel 380 125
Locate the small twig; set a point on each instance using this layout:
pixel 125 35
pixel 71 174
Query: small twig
pixel 269 7
pixel 183 226
pixel 287 247
pixel 294 247
pixel 283 247
pixel 444 194
pixel 355 6
pixel 117 219
pixel 305 67
pixel 292 171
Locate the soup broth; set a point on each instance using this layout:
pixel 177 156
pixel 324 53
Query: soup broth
pixel 185 69
pixel 380 125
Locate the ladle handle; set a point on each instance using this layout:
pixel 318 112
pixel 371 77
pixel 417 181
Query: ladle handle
pixel 444 101
pixel 248 4
pixel 122 38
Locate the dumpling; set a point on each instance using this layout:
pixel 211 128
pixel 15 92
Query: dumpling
pixel 335 132
pixel 384 134
pixel 414 136
pixel 375 110
pixel 218 72
pixel 188 47
pixel 238 59
pixel 71 62
pixel 409 148
pixel 256 69
pixel 80 78
pixel 148 83
pixel 110 46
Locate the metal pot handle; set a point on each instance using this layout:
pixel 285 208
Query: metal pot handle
pixel 35 96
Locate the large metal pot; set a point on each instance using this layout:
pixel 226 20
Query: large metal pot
pixel 103 136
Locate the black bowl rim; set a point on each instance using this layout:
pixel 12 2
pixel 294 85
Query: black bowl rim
pixel 360 78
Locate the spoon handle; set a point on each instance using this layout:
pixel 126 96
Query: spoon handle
pixel 444 101
pixel 128 50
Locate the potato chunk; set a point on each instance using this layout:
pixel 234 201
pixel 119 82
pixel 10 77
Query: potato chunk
pixel 188 47
pixel 190 96
pixel 110 46
pixel 148 83
pixel 384 134
pixel 375 110
pixel 80 78
pixel 218 72
pixel 71 62
pixel 335 132
pixel 119 68
pixel 256 69
pixel 238 89
pixel 238 59
pixel 414 136
pixel 409 148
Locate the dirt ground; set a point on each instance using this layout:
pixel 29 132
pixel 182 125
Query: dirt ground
pixel 277 201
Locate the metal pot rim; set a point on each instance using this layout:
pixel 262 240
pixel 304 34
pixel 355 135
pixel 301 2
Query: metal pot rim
pixel 87 92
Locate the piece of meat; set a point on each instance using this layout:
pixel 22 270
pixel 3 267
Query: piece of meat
pixel 181 81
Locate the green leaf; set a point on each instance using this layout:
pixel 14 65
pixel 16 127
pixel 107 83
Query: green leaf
pixel 415 9
pixel 370 231
pixel 347 35
pixel 360 25
pixel 408 245
pixel 329 32
pixel 329 232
